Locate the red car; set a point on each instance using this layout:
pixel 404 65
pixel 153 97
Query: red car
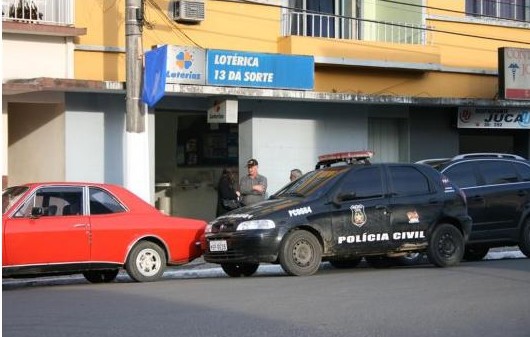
pixel 93 229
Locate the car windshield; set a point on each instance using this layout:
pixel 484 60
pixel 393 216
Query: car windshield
pixel 310 183
pixel 10 196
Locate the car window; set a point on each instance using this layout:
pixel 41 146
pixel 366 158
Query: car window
pixel 407 180
pixel 523 170
pixel 497 172
pixel 11 195
pixel 461 174
pixel 363 183
pixel 102 202
pixel 311 182
pixel 54 201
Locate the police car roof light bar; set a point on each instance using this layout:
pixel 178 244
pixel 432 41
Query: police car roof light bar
pixel 348 157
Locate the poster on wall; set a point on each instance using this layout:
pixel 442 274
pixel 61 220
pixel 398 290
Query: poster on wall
pixel 514 73
pixel 493 118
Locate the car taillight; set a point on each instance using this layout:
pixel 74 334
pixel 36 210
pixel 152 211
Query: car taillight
pixel 450 187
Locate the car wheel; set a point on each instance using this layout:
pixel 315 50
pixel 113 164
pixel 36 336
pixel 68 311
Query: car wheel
pixel 475 253
pixel 410 259
pixel 101 276
pixel 239 269
pixel 446 246
pixel 146 262
pixel 300 253
pixel 524 243
pixel 345 263
pixel 380 261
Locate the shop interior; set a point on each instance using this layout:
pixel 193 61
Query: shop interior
pixel 190 155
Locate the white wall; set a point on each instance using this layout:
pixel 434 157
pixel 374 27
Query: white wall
pixel 94 131
pixel 281 141
pixel 22 56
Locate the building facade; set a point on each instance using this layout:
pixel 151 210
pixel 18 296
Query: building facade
pixel 407 79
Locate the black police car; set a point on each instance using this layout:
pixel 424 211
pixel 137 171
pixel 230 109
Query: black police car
pixel 497 187
pixel 341 214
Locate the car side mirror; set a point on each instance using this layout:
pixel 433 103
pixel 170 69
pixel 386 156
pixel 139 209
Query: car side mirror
pixel 36 212
pixel 341 197
pixel 347 196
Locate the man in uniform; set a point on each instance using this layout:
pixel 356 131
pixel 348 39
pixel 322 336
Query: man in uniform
pixel 253 186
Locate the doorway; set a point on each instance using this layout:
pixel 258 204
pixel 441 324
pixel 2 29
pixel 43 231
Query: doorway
pixel 189 157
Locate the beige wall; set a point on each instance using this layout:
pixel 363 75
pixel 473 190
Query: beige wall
pixel 20 56
pixel 35 142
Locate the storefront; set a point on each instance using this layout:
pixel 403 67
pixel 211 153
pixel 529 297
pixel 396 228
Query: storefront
pixel 227 119
pixel 501 130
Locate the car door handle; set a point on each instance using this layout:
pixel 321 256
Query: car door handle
pixel 522 193
pixel 384 208
pixel 79 225
pixel 476 198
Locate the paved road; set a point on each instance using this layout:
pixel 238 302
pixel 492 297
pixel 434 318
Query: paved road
pixel 486 298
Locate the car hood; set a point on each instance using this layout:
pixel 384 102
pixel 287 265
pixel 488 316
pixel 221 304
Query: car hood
pixel 262 209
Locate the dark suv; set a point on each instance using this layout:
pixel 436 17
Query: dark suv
pixel 341 214
pixel 497 187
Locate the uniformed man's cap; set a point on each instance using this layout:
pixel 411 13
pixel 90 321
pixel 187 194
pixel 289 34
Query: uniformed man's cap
pixel 252 162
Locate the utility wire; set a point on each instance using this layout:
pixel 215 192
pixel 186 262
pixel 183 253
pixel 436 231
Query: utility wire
pixel 455 11
pixel 172 23
pixel 379 22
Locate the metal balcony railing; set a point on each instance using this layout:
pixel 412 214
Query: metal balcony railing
pixel 337 27
pixel 53 12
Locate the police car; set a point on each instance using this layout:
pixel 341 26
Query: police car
pixel 342 213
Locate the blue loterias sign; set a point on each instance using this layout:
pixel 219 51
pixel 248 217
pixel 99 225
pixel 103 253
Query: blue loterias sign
pixel 186 65
pixel 244 69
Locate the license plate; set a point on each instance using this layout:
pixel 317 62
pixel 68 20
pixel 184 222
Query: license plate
pixel 218 246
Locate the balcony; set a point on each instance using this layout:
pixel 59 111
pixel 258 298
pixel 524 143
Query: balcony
pixel 50 12
pixel 337 27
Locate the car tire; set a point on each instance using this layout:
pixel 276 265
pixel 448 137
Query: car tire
pixel 146 262
pixel 446 246
pixel 524 242
pixel 410 259
pixel 300 253
pixel 239 269
pixel 475 253
pixel 380 261
pixel 345 263
pixel 101 276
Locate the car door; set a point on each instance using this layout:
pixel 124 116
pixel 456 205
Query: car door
pixel 359 219
pixel 60 234
pixel 505 197
pixel 465 176
pixel 414 205
pixel 113 229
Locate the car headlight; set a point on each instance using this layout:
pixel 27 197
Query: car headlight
pixel 255 224
pixel 208 228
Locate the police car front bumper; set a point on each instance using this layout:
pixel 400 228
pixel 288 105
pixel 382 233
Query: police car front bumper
pixel 252 246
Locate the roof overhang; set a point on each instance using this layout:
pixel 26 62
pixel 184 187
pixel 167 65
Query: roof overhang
pixel 20 86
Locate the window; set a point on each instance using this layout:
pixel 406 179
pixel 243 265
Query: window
pixel 363 183
pixel 502 9
pixel 54 201
pixel 523 170
pixel 408 180
pixel 498 172
pixel 462 175
pixel 102 202
pixel 324 18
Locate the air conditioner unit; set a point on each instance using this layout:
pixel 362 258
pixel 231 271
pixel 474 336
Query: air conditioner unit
pixel 188 10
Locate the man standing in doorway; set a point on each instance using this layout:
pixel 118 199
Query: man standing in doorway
pixel 253 186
